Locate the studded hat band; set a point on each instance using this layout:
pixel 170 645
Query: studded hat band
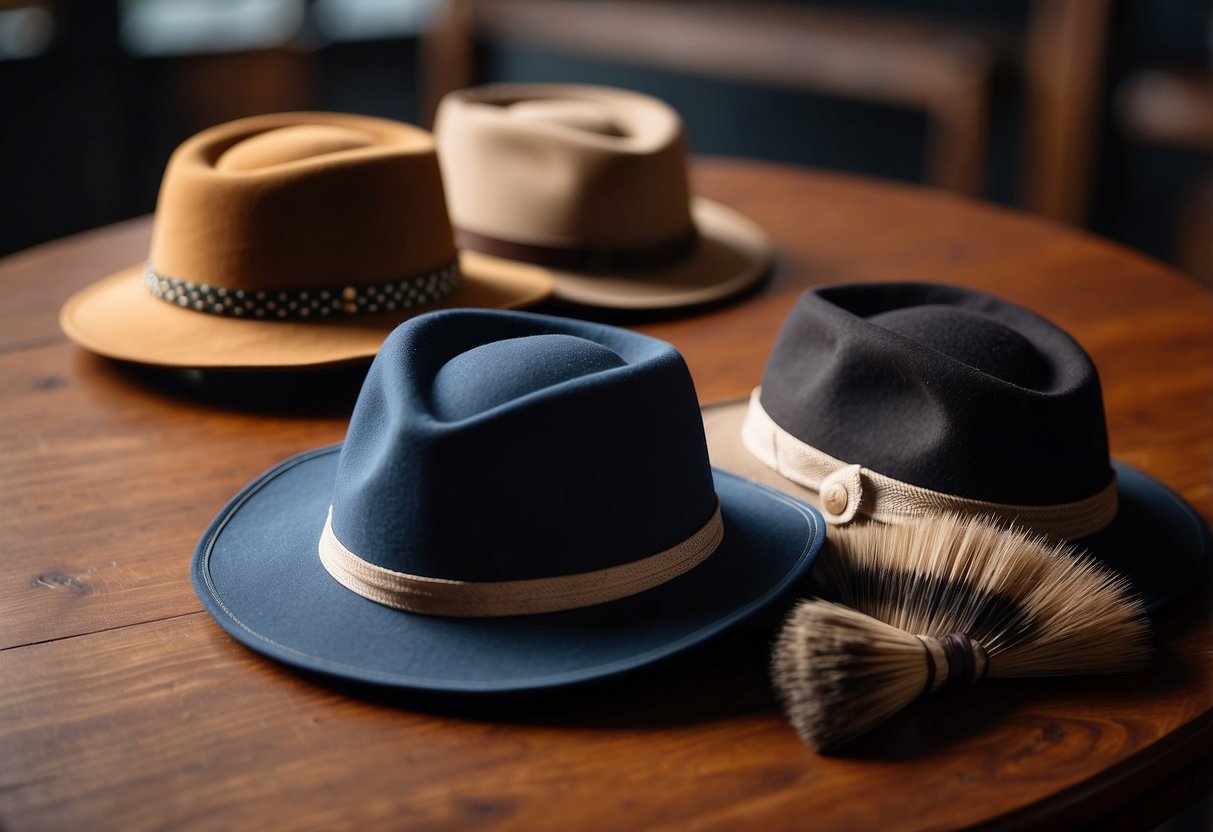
pixel 848 490
pixel 481 599
pixel 333 302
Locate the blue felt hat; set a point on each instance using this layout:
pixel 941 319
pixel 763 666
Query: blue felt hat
pixel 521 502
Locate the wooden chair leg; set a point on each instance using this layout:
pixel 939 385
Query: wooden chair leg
pixel 1065 49
pixel 447 55
pixel 1194 242
pixel 956 138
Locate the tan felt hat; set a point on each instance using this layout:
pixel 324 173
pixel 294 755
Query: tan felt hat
pixel 291 241
pixel 591 183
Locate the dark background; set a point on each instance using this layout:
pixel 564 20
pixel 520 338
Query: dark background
pixel 88 120
pixel 89 113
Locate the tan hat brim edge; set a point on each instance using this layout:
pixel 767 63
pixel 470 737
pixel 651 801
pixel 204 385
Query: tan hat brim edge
pixel 118 318
pixel 732 255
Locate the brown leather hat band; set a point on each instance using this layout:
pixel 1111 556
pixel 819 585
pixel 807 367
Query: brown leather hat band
pixel 324 302
pixel 586 258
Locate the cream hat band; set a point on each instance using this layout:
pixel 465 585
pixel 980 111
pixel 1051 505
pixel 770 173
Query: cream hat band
pixel 848 490
pixel 482 599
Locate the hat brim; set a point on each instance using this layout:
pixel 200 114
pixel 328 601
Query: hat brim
pixel 731 255
pixel 257 571
pixel 119 318
pixel 1157 540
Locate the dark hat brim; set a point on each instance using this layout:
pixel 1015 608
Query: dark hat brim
pixel 1157 540
pixel 257 571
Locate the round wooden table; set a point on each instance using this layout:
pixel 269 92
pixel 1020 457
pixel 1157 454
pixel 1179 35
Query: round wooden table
pixel 124 706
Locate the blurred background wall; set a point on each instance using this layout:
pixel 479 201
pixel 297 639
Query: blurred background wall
pixel 1092 112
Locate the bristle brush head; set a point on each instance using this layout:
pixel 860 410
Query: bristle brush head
pixel 839 673
pixel 945 595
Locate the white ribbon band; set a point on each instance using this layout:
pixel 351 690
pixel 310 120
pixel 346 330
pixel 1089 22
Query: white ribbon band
pixel 478 599
pixel 847 490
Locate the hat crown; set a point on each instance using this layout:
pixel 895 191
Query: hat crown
pixel 507 446
pixel 945 388
pixel 291 144
pixel 977 340
pixel 496 373
pixel 297 201
pixel 564 165
pixel 577 115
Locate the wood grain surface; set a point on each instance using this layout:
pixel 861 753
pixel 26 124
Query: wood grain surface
pixel 124 706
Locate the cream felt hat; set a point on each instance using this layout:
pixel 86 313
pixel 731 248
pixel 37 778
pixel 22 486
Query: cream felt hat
pixel 291 240
pixel 591 183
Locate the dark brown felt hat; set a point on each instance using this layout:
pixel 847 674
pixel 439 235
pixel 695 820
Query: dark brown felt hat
pixel 292 240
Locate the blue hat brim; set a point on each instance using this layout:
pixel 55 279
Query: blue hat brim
pixel 257 571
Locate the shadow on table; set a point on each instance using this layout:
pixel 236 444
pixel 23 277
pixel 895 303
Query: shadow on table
pixel 727 678
pixel 723 678
pixel 323 393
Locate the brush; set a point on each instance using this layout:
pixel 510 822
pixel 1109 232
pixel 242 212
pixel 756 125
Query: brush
pixel 942 602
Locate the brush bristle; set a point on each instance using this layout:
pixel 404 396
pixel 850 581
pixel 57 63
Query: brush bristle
pixel 1037 608
pixel 1034 607
pixel 839 672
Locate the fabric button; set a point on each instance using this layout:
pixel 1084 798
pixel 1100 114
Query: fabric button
pixel 836 499
pixel 841 493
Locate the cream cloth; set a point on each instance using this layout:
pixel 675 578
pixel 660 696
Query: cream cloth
pixel 474 599
pixel 848 490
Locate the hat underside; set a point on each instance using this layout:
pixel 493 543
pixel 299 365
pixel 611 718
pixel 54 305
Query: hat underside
pixel 258 572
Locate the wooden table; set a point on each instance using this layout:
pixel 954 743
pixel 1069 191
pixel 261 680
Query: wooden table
pixel 124 706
